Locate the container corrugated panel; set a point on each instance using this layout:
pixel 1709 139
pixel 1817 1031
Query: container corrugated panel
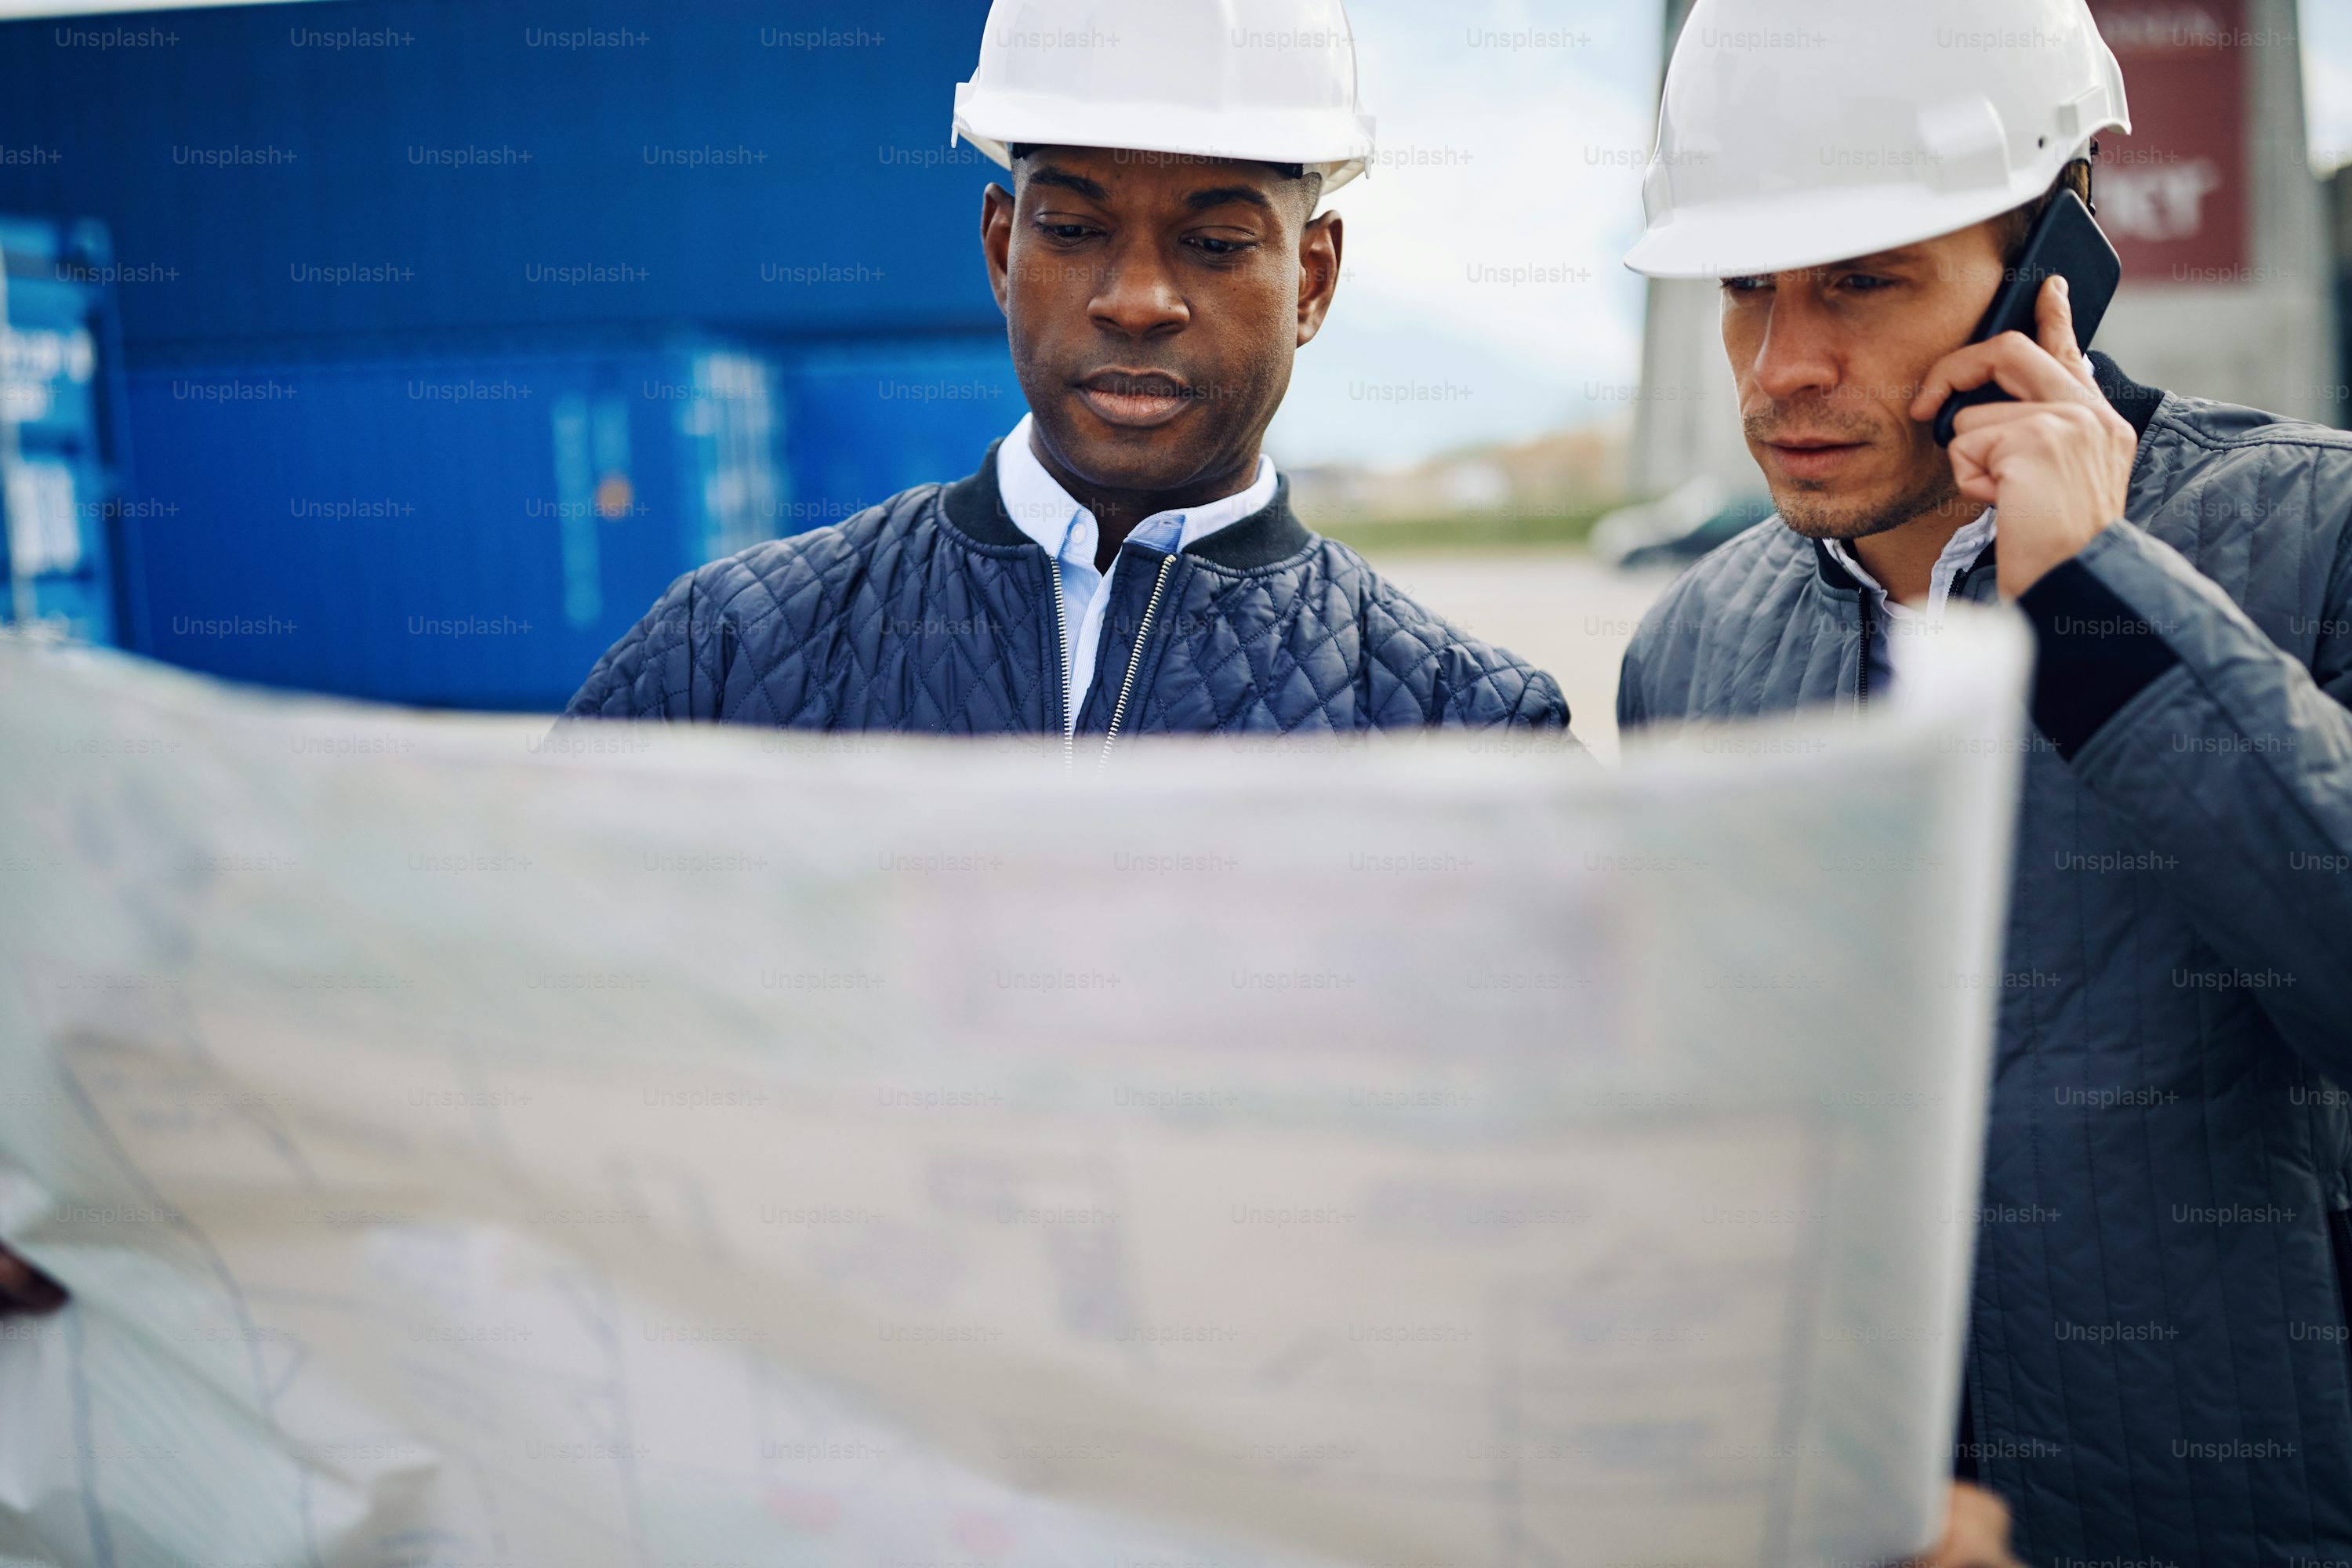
pixel 422 165
pixel 450 532
pixel 871 419
pixel 60 466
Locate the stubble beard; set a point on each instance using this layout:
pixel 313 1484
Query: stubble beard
pixel 1815 513
pixel 1817 516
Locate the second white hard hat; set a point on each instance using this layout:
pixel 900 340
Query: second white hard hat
pixel 1790 135
pixel 1262 80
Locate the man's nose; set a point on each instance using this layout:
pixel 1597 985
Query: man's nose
pixel 1138 295
pixel 1798 353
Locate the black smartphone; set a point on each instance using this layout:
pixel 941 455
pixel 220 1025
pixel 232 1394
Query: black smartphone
pixel 2066 241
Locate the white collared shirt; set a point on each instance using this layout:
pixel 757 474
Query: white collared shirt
pixel 1040 508
pixel 1960 553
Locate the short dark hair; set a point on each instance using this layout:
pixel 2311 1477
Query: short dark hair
pixel 2018 222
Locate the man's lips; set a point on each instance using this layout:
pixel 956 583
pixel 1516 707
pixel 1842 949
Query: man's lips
pixel 1813 457
pixel 1135 398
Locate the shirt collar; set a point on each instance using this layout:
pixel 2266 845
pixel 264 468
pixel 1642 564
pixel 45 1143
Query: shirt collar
pixel 1040 508
pixel 1959 552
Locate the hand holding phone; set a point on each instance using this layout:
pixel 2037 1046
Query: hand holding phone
pixel 2066 241
pixel 2054 458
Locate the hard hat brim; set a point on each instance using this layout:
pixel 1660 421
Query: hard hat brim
pixel 1337 143
pixel 1784 231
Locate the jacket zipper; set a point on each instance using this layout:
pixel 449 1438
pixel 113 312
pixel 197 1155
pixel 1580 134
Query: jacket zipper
pixel 1062 641
pixel 2339 1251
pixel 1862 680
pixel 1135 659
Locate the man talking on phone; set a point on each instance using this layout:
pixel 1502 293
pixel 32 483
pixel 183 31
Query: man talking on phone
pixel 2157 1365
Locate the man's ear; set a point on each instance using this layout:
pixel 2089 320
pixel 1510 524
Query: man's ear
pixel 1320 245
pixel 996 238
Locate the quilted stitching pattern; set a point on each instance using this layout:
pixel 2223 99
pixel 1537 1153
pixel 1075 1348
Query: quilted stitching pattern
pixel 2147 1388
pixel 1327 646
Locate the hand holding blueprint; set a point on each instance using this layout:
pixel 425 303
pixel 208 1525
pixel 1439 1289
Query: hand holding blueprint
pixel 467 1145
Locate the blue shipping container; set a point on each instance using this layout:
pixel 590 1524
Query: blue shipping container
pixel 276 172
pixel 868 419
pixel 467 533
pixel 60 429
pixel 474 532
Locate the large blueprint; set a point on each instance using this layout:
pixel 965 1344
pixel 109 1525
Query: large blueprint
pixel 468 1145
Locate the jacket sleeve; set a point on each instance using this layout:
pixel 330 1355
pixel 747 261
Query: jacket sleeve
pixel 2234 760
pixel 1630 714
pixel 1425 670
pixel 653 671
pixel 1496 689
pixel 1541 705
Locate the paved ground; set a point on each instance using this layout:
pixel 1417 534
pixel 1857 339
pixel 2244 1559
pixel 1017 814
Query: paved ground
pixel 1557 609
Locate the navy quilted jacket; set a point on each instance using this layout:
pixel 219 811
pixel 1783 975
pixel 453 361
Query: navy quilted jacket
pixel 933 613
pixel 2158 1372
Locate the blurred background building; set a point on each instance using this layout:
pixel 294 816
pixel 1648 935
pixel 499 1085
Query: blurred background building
pixel 407 349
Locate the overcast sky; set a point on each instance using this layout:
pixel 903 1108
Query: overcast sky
pixel 1482 298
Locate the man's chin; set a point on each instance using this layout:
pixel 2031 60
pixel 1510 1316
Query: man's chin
pixel 1119 457
pixel 1809 517
pixel 1820 514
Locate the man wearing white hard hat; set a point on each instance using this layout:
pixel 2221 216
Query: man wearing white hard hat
pixel 2157 1367
pixel 1125 561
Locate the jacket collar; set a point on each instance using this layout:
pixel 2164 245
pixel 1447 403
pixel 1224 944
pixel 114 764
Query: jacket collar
pixel 1833 571
pixel 975 506
pixel 2136 403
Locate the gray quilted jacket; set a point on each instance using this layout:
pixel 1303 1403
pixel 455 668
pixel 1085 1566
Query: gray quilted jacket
pixel 932 612
pixel 2157 1370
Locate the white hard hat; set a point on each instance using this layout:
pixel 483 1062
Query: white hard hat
pixel 1794 134
pixel 1262 80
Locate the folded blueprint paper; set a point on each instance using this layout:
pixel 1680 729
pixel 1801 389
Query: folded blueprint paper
pixel 467 1144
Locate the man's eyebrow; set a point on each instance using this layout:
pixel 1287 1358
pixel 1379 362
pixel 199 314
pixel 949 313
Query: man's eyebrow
pixel 1050 175
pixel 1218 195
pixel 1903 255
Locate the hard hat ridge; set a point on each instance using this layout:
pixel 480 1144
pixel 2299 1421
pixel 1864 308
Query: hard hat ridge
pixel 1259 80
pixel 1793 135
